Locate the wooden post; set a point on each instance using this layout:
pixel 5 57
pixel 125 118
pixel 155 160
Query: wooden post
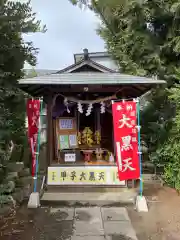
pixel 78 121
pixel 114 145
pixel 55 141
pixel 98 118
pixel 49 131
pixel 76 114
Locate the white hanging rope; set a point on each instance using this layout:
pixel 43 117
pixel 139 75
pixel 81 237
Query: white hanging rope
pixel 143 99
pixel 76 100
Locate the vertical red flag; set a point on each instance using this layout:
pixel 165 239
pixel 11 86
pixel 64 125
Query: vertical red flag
pixel 33 114
pixel 126 139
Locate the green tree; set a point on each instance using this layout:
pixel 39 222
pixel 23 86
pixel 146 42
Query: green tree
pixel 31 73
pixel 143 38
pixel 169 152
pixel 16 19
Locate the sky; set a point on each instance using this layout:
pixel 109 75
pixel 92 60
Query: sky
pixel 69 31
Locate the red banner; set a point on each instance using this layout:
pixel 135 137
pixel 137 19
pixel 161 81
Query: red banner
pixel 126 139
pixel 33 114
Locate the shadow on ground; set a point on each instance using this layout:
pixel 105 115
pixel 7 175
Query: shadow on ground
pixel 120 237
pixel 36 224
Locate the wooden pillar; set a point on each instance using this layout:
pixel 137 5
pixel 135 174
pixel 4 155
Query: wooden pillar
pixel 49 131
pixel 98 114
pixel 77 117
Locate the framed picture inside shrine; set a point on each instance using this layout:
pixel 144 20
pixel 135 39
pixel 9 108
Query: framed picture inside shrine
pixel 66 132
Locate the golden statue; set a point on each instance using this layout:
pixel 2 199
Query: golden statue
pixel 87 137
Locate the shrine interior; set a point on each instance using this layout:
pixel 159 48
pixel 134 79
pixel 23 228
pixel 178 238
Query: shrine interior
pixel 88 136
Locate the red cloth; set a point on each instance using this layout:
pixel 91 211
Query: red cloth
pixel 33 114
pixel 126 139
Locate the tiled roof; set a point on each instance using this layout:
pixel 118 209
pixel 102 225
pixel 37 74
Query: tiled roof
pixel 39 72
pixel 89 78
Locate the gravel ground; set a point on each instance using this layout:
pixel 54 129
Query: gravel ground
pixel 162 222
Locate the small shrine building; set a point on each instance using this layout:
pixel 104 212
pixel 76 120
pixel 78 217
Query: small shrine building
pixel 80 142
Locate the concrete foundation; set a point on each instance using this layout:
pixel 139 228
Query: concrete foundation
pixel 34 200
pixel 141 204
pixel 125 196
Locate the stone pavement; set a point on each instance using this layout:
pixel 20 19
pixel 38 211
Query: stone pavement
pixel 68 223
pixel 95 223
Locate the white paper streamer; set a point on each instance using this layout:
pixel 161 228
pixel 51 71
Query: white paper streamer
pixel 80 107
pixel 89 110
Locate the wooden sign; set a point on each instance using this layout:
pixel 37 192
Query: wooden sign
pixel 70 157
pixel 66 133
pixel 73 140
pixel 64 141
pixel 65 124
pixel 84 175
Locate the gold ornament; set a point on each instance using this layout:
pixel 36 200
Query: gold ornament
pixel 87 136
pixel 97 137
pixel 108 155
pixel 79 138
pixel 99 152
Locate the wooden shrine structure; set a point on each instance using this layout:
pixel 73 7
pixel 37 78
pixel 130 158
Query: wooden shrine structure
pixel 80 145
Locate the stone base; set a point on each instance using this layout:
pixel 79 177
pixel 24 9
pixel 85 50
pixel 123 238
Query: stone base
pixel 34 200
pixel 125 196
pixel 141 204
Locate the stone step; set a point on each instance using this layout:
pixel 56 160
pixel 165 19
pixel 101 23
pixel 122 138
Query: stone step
pixel 152 179
pixel 126 196
pixel 149 177
pixel 83 189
